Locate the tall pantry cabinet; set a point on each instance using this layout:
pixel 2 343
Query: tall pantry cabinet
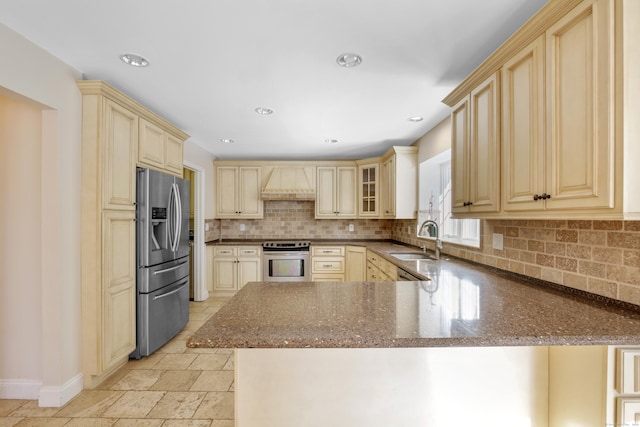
pixel 110 153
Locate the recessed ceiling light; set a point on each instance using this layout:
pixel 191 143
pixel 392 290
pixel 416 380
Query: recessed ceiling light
pixel 349 60
pixel 330 141
pixel 227 141
pixel 415 119
pixel 134 60
pixel 264 111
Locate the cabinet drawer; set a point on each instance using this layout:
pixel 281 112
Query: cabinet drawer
pixel 327 265
pixel 327 251
pixel 225 251
pixel 373 257
pixel 248 250
pixel 324 277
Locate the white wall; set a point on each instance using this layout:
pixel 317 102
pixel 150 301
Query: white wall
pixel 197 155
pixel 29 72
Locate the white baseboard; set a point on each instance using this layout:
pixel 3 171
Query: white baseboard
pixel 55 397
pixel 20 389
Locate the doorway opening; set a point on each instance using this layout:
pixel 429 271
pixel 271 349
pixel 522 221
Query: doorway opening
pixel 198 288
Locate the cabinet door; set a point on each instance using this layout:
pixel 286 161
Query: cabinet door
pixel 460 156
pixel 523 134
pixel 151 149
pixel 173 154
pixel 119 154
pixel 580 99
pixel 346 192
pixel 249 203
pixel 249 270
pixel 224 274
pixel 389 185
pixel 325 192
pixel 356 264
pixel 226 191
pixel 118 330
pixel 484 148
pixel 368 190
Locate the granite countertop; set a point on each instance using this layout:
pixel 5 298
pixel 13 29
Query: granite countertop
pixel 461 304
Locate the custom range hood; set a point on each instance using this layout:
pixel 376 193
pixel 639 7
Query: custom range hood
pixel 289 183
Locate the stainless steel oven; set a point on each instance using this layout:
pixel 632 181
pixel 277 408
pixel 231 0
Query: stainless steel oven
pixel 286 261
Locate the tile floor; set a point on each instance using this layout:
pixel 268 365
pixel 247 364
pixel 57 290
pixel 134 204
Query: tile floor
pixel 174 387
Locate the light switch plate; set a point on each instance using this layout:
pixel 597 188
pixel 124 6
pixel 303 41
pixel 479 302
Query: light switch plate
pixel 497 241
pixel 351 227
pixel 242 227
pixel 206 227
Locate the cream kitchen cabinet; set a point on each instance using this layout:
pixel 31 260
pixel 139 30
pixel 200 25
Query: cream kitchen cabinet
pixel 399 183
pixel 238 192
pixel 475 150
pixel 336 192
pixel 570 164
pixel 110 132
pixel 356 263
pixel 379 269
pixel 328 263
pixel 569 99
pixel 159 149
pixel 369 188
pixel 235 266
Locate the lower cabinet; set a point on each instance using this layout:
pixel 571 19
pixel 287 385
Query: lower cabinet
pixel 356 264
pixel 328 263
pixel 234 266
pixel 379 269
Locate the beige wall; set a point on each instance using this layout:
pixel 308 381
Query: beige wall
pixel 29 72
pixel 20 240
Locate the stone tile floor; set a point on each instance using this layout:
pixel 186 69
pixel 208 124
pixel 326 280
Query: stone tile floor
pixel 174 387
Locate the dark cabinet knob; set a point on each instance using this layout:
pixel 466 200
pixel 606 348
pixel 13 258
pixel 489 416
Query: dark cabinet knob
pixel 467 204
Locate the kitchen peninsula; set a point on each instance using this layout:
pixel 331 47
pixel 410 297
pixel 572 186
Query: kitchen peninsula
pixel 468 346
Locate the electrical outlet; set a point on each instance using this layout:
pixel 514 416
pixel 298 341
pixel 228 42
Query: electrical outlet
pixel 206 227
pixel 497 241
pixel 409 229
pixel 351 228
pixel 242 227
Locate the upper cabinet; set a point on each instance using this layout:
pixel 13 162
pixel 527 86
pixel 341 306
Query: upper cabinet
pixel 159 149
pixel 399 183
pixel 238 192
pixel 475 150
pixel 566 102
pixel 369 188
pixel 336 192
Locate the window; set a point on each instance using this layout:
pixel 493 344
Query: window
pixel 435 203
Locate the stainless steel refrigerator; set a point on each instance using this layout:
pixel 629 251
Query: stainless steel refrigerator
pixel 162 246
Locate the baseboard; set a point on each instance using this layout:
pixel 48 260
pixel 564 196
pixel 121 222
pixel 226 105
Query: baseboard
pixel 55 397
pixel 20 389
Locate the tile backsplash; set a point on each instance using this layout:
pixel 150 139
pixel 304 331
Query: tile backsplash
pixel 602 257
pixel 284 219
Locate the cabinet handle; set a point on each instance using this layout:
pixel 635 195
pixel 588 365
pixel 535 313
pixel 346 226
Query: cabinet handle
pixel 327 265
pixel 543 196
pixel 467 204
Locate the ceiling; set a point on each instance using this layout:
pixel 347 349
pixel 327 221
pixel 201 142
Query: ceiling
pixel 213 62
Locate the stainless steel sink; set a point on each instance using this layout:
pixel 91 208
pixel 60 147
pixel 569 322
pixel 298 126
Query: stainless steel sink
pixel 409 256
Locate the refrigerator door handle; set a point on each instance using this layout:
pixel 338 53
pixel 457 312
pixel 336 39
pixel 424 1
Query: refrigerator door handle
pixel 170 214
pixel 178 214
pixel 166 270
pixel 169 293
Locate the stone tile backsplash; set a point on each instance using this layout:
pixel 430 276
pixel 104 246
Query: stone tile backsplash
pixel 285 219
pixel 602 257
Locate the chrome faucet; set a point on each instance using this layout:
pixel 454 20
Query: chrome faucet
pixel 432 230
